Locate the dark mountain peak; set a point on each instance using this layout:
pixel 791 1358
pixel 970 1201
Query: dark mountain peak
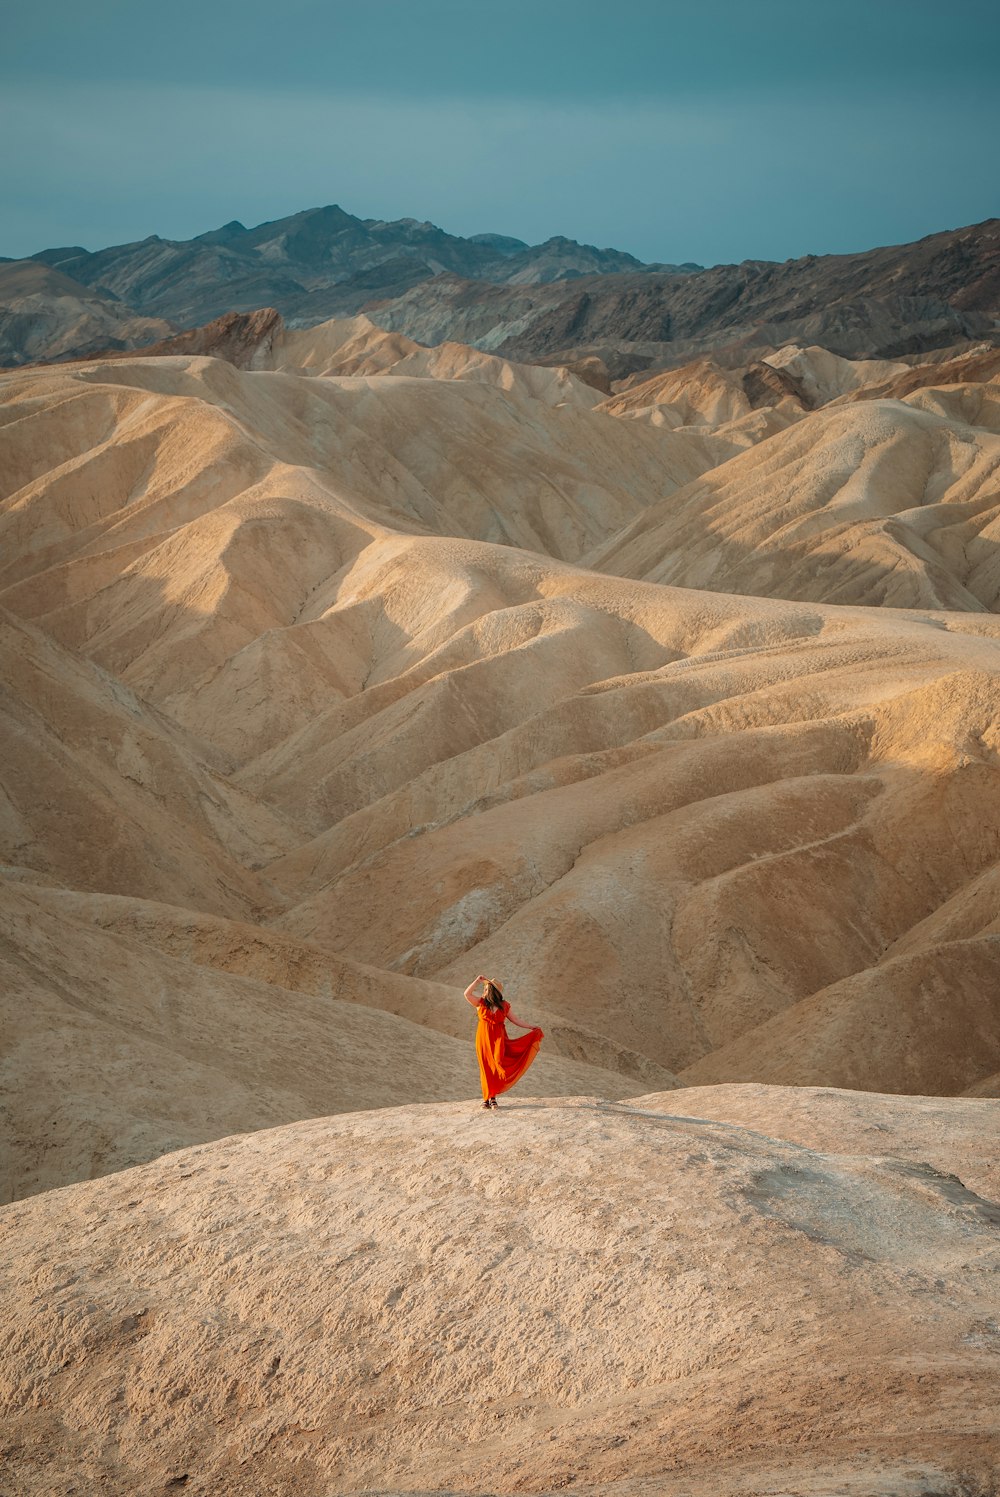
pixel 330 215
pixel 560 241
pixel 230 231
pixel 56 256
pixel 558 247
pixel 313 223
pixel 502 243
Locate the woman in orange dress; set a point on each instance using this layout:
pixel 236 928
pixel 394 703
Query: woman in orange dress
pixel 502 1060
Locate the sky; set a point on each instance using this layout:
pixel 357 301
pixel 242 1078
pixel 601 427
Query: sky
pixel 680 131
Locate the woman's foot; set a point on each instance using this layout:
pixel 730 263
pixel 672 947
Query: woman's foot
pixel 492 1102
pixel 487 1104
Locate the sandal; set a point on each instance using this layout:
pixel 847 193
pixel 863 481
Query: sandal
pixel 487 1104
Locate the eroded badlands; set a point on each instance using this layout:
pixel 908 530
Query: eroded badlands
pixel 319 697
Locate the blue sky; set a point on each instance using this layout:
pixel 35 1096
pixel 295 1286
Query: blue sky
pixel 678 131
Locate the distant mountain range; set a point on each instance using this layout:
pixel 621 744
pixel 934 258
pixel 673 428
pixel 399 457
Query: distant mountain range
pixel 938 292
pixel 560 301
pixel 317 264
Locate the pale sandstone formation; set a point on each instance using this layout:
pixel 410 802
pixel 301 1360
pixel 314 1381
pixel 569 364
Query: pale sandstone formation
pixel 356 346
pixel 100 791
pixel 132 1028
pixel 288 733
pixel 889 502
pixel 310 711
pixel 699 394
pixel 823 376
pixel 261 340
pixel 752 1291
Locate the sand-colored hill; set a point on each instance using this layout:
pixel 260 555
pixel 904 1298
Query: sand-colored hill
pixel 564 1293
pixel 356 346
pixel 821 376
pixel 174 518
pixel 747 403
pixel 673 852
pixel 700 794
pixel 134 1027
pixel 313 705
pixel 889 502
pixel 702 394
pixel 481 457
pixel 976 365
pixel 100 792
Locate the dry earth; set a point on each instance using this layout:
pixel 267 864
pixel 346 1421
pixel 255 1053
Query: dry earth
pixel 887 501
pixel 293 721
pixel 751 1291
pixel 312 706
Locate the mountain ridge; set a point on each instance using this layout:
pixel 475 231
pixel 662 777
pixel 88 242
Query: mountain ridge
pixel 559 301
pixel 318 249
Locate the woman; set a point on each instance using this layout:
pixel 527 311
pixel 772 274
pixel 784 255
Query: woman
pixel 502 1061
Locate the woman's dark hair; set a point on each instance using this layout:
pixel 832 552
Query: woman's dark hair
pixel 492 997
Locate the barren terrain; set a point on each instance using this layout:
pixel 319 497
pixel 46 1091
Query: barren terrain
pixel 752 1291
pixel 336 669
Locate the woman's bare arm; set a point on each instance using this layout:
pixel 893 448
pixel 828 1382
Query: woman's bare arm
pixel 519 1022
pixel 471 997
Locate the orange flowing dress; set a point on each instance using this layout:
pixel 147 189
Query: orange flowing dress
pixel 502 1061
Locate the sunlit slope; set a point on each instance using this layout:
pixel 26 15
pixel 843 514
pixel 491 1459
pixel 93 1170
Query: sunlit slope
pixel 118 452
pixel 758 804
pixel 316 1307
pixel 174 518
pixel 132 1027
pixel 355 346
pixel 877 502
pixel 102 792
pixel 270 666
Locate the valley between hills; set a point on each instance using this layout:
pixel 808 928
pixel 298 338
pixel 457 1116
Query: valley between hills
pixel 338 668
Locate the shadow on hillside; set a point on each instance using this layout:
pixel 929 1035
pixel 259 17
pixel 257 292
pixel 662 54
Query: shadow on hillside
pixel 877 562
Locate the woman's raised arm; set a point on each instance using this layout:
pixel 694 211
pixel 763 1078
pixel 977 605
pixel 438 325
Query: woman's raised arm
pixel 470 997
